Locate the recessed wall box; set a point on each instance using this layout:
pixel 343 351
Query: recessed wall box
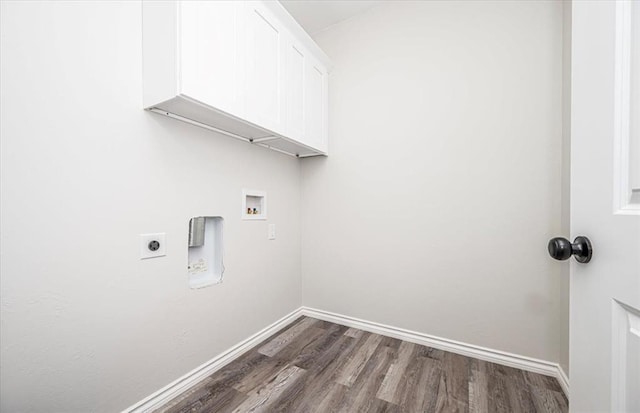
pixel 205 251
pixel 254 204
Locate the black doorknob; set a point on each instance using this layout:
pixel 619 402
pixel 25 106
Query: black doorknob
pixel 561 249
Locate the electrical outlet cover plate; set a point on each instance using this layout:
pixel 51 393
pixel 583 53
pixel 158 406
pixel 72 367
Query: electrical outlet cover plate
pixel 146 239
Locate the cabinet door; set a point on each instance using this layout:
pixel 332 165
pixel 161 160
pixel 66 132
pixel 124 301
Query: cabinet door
pixel 265 68
pixel 315 108
pixel 213 52
pixel 296 62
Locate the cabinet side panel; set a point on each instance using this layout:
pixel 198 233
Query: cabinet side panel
pixel 315 97
pixel 159 51
pixel 325 112
pixel 295 59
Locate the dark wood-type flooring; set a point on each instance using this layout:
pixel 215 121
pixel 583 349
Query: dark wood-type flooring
pixel 317 366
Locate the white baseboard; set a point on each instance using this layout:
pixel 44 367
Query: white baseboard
pixel 198 374
pixel 494 356
pixel 190 379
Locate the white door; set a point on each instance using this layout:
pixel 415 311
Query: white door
pixel 266 39
pixel 213 54
pixel 605 206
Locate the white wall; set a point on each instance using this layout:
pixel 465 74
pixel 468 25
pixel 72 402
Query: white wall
pixel 443 183
pixel 86 325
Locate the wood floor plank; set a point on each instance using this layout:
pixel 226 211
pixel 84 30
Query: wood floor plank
pixel 498 392
pixel 479 387
pixel 325 374
pixel 353 332
pixel 224 403
pixel 545 382
pixel 260 374
pixel 324 324
pixel 361 397
pixel 380 406
pixel 305 395
pixel 453 392
pixel 546 400
pixel 317 366
pixel 409 391
pixel 259 400
pixel 391 342
pixel 396 373
pixel 308 355
pixel 337 393
pixel 281 341
pixel 291 399
pixel 562 401
pixel 188 397
pixel 217 385
pixel 351 370
pixel 408 386
pixel 305 341
pixel 435 353
pixel 332 397
pixel 424 396
pixel 234 372
pixel 327 365
pixel 224 399
pixel 518 391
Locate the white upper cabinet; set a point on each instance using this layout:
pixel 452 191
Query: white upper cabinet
pixel 307 98
pixel 266 67
pixel 243 68
pixel 213 58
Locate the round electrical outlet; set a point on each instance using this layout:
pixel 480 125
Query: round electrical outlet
pixel 154 245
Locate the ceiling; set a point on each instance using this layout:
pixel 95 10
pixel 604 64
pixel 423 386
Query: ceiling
pixel 316 15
